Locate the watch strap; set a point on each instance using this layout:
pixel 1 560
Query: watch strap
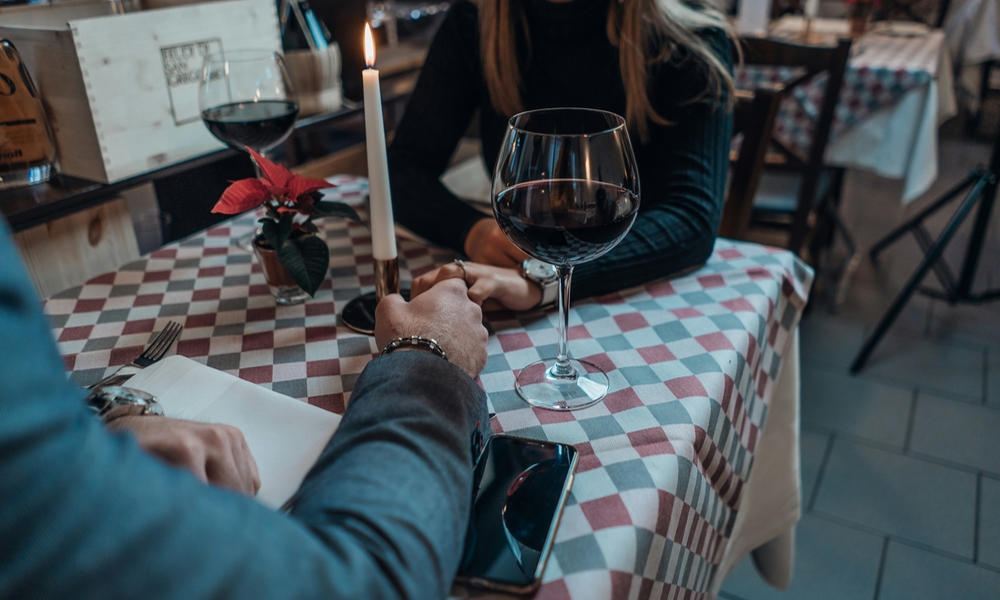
pixel 111 402
pixel 550 293
pixel 549 287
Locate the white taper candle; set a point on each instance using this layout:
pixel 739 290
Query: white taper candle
pixel 382 223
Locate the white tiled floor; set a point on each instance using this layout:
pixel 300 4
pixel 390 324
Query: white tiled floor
pixel 900 464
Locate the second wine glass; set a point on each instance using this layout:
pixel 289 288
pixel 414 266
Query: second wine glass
pixel 247 99
pixel 565 191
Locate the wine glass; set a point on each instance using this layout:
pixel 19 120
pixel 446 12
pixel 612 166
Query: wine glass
pixel 247 100
pixel 565 191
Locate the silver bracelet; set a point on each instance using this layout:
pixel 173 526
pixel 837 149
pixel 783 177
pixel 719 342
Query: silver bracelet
pixel 417 341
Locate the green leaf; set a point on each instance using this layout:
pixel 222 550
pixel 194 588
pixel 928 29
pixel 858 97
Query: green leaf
pixel 336 209
pixel 277 232
pixel 307 260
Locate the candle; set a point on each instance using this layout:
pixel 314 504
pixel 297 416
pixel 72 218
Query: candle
pixel 382 224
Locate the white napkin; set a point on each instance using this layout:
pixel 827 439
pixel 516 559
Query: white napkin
pixel 285 436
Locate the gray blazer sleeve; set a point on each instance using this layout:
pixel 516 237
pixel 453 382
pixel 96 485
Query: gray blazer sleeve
pixel 87 514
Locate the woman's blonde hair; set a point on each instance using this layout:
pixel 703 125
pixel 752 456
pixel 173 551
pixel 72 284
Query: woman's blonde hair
pixel 644 31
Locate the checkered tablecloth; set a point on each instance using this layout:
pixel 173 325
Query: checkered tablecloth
pixel 882 69
pixel 664 458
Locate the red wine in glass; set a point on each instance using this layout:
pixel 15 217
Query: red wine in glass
pixel 247 100
pixel 256 125
pixel 565 191
pixel 566 221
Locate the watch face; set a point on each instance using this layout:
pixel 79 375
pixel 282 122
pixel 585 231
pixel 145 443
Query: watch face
pixel 540 271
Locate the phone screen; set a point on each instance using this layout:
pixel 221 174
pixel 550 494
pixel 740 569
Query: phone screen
pixel 520 489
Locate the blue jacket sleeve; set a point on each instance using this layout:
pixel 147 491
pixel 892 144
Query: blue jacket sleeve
pixel 87 514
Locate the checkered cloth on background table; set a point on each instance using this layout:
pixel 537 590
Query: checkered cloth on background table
pixel 882 69
pixel 663 459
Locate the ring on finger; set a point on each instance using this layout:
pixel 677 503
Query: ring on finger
pixel 465 274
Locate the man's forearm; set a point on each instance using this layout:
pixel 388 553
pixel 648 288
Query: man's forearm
pixel 87 514
pixel 412 473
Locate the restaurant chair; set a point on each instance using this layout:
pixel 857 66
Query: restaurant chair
pixel 931 12
pixel 753 118
pixel 794 191
pixel 986 91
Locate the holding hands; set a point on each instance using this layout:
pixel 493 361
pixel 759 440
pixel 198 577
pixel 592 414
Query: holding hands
pixel 493 288
pixel 443 313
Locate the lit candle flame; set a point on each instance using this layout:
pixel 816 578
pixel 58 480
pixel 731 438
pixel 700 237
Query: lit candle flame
pixel 369 47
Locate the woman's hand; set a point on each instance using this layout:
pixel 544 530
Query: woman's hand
pixel 486 244
pixel 493 288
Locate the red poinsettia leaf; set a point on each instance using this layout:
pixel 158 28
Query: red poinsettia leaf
pixel 241 196
pixel 276 175
pixel 300 186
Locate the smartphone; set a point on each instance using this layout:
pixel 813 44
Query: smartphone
pixel 521 487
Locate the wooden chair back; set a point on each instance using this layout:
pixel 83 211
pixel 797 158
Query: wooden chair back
pixel 814 60
pixel 753 116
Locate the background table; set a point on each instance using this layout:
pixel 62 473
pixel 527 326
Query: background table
pixel 972 28
pixel 665 460
pixel 896 92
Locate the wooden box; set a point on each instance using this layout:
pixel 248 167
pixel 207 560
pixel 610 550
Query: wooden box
pixel 121 91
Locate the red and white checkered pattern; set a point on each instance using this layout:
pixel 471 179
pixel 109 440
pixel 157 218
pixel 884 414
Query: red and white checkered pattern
pixel 664 458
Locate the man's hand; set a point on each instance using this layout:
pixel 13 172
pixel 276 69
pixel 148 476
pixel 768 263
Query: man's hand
pixel 443 313
pixel 216 454
pixel 486 244
pixel 493 288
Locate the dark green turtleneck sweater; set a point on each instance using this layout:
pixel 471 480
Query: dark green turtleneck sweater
pixel 682 168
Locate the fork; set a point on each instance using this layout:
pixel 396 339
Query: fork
pixel 153 352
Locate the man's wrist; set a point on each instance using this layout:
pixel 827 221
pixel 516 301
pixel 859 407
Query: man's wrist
pixel 109 403
pixel 414 342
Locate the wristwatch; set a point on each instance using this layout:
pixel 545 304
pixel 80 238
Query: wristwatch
pixel 112 402
pixel 545 275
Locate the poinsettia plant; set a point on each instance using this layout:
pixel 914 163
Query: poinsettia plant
pixel 283 195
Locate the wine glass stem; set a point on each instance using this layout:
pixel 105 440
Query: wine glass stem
pixel 563 368
pixel 256 167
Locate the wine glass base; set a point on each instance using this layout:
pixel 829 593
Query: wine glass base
pixel 539 386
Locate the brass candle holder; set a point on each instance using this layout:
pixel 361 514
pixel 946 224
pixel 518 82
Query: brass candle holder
pixel 359 314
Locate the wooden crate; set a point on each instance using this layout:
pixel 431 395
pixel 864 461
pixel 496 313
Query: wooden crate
pixel 121 91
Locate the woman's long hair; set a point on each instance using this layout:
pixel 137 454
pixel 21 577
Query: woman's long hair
pixel 645 32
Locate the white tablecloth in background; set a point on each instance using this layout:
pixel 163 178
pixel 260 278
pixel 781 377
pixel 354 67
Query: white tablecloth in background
pixel 901 141
pixel 973 30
